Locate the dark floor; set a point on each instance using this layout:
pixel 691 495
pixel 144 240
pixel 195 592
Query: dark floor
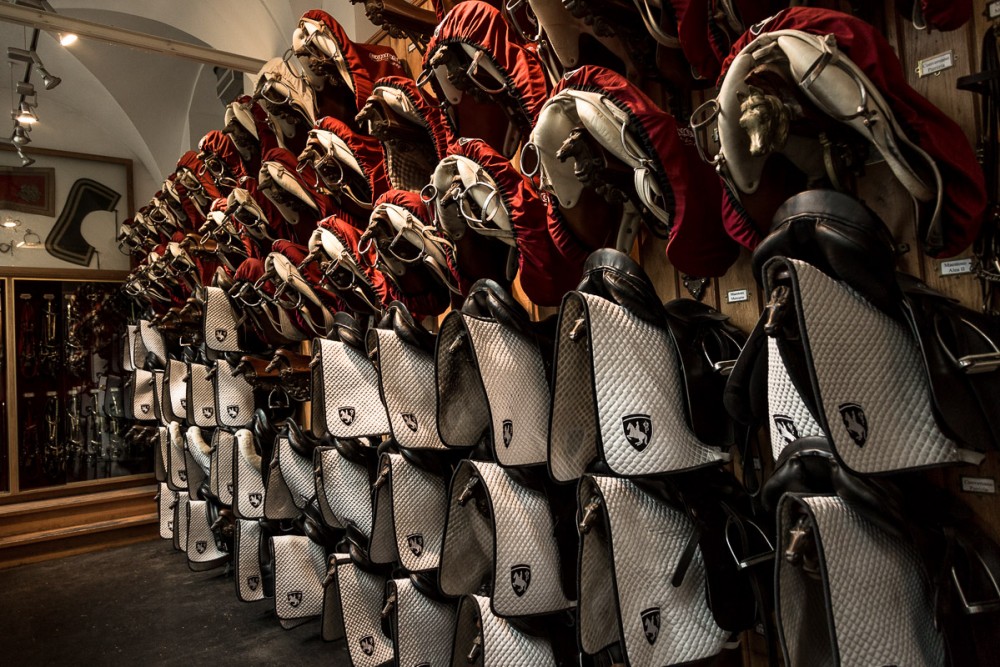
pixel 140 605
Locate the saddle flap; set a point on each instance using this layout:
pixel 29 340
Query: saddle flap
pixel 422 628
pixel 352 611
pixel 352 405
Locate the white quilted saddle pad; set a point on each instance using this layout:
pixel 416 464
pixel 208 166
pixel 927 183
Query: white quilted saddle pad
pixel 502 644
pixel 789 417
pixel 176 461
pixel 162 454
pixel 502 536
pixel 411 505
pixel 868 376
pixel 143 396
pixel 406 378
pixel 219 322
pixel 234 399
pixel 299 570
pixel 160 398
pixel 291 484
pixel 221 473
pixel 353 611
pixel 422 628
pixel 343 490
pixel 199 460
pixel 132 348
pixel 627 561
pixel 181 521
pixel 200 396
pixel 176 384
pixel 152 343
pixel 869 604
pixel 248 484
pixel 346 397
pixel 249 580
pixel 203 552
pixel 491 383
pixel 165 501
pixel 618 395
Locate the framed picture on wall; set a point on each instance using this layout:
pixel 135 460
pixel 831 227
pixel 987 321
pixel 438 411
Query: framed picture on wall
pixel 65 211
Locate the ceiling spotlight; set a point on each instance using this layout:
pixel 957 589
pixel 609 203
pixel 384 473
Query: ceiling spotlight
pixel 67 38
pixel 25 114
pixel 10 223
pixel 48 80
pixel 20 136
pixel 24 56
pixel 25 160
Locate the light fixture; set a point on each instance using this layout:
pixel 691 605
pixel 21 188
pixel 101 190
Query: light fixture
pixel 25 114
pixel 25 160
pixel 15 54
pixel 20 136
pixel 67 38
pixel 9 222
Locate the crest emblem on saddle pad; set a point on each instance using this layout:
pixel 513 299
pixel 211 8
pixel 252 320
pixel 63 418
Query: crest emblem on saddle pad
pixel 346 415
pixel 855 422
pixel 638 430
pixel 367 644
pixel 170 525
pixel 183 474
pixel 145 408
pixel 651 624
pixel 229 488
pixel 200 546
pixel 221 334
pixel 785 429
pixel 208 411
pixel 416 544
pixel 184 404
pixel 256 499
pixel 520 579
pixel 508 432
pixel 294 598
pixel 253 582
pixel 233 411
pixel 410 420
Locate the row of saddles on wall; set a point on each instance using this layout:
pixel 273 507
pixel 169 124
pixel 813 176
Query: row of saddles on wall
pixel 492 493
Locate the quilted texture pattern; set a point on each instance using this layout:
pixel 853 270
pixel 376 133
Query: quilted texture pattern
pixel 234 404
pixel 463 415
pixel 863 358
pixel 249 582
pixel 299 570
pixel 201 546
pixel 297 472
pixel 513 547
pixel 197 444
pixel 344 489
pixel 174 376
pixel 133 348
pixel 248 485
pixel 788 416
pixel 422 628
pixel 219 328
pixel 201 396
pixel 642 526
pixel 503 644
pixel 351 406
pixel 513 374
pixel 159 398
pixel 278 503
pixel 153 343
pixel 360 597
pixel 181 521
pixel 406 375
pixel 881 609
pixel 165 500
pixel 627 380
pixel 143 396
pixel 410 511
pixel 176 461
pixel 221 480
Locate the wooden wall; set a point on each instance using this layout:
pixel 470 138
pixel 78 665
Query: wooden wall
pixel 883 195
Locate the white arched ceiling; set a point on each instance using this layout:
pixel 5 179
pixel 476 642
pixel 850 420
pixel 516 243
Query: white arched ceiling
pixel 145 106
